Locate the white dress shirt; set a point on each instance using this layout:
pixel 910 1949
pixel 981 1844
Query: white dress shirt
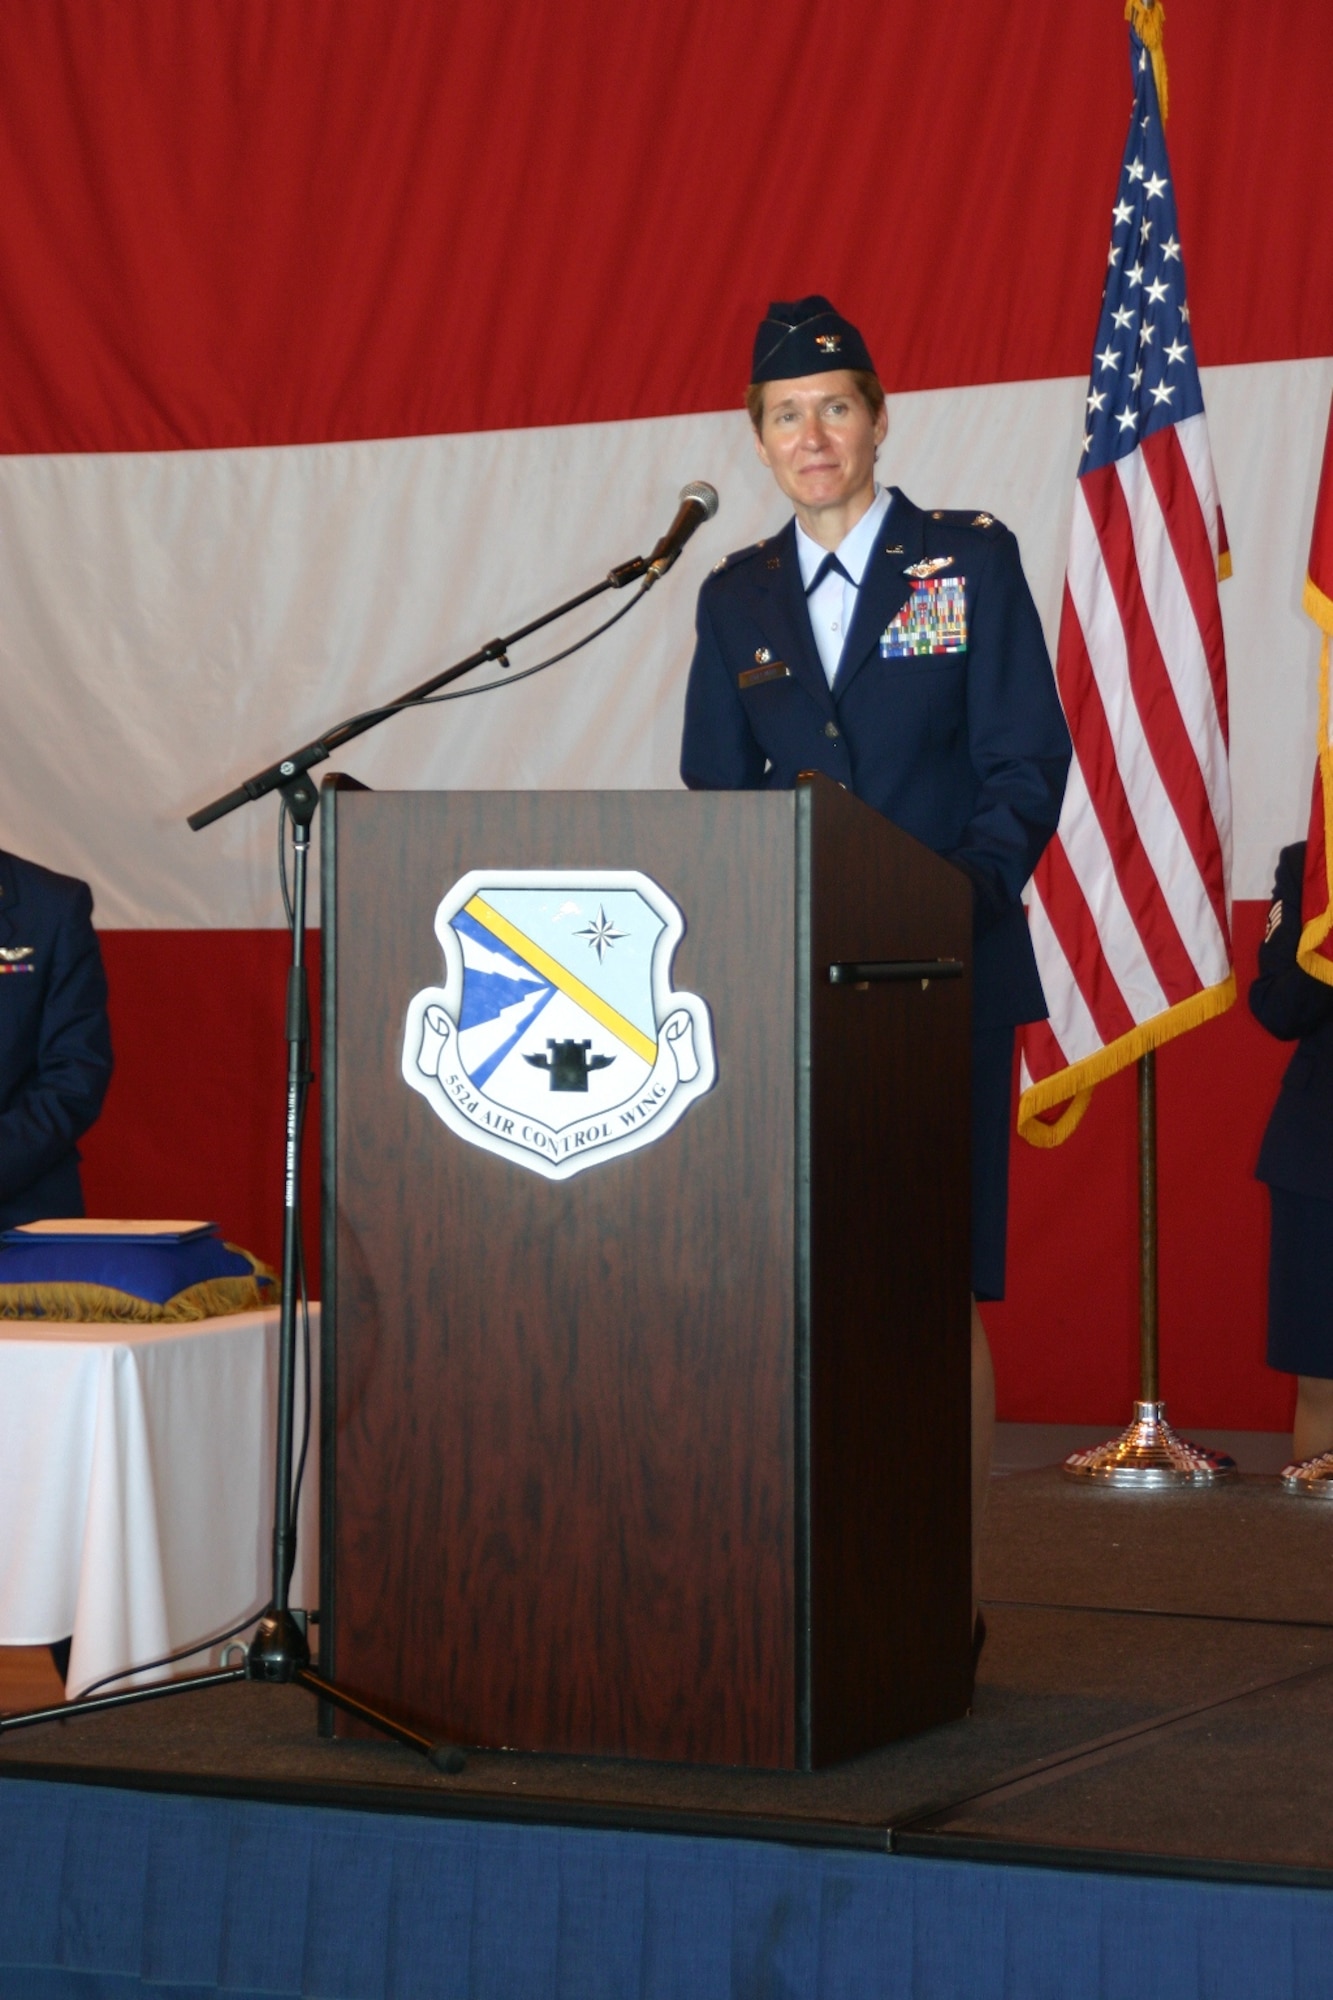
pixel 833 605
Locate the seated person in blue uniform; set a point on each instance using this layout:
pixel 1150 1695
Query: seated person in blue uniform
pixel 898 651
pixel 55 1042
pixel 1296 1160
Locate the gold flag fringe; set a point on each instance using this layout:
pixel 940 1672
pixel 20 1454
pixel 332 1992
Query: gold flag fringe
pixel 212 1298
pixel 1308 954
pixel 1073 1087
pixel 1147 18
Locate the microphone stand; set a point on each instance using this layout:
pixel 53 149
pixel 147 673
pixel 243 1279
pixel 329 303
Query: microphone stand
pixel 279 1652
pixel 281 777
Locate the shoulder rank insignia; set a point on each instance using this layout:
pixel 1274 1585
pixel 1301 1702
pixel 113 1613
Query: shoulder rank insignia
pixel 736 556
pixel 928 567
pixel 964 517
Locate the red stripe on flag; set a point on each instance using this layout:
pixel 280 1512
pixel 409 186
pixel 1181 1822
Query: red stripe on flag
pixel 1154 696
pixel 1314 886
pixel 1173 483
pixel 1041 1052
pixel 1075 928
pixel 1134 872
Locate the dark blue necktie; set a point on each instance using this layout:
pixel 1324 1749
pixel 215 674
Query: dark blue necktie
pixel 829 565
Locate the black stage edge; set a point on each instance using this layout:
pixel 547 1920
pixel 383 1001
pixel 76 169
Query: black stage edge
pixel 1156 1697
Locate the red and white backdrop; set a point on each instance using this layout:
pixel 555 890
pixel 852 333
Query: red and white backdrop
pixel 334 339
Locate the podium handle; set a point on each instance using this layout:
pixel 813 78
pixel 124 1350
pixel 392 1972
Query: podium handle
pixel 880 971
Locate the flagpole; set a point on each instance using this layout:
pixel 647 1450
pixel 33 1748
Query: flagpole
pixel 1148 1454
pixel 1146 1068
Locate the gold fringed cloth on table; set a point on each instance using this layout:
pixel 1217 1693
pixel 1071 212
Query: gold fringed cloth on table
pixel 53 1281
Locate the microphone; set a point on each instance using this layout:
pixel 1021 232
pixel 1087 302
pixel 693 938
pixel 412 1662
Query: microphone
pixel 698 503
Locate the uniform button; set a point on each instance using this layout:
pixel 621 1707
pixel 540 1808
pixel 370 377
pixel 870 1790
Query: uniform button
pixel 831 729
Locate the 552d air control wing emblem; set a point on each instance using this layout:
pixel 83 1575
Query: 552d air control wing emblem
pixel 556 1039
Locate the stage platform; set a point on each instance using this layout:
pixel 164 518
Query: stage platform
pixel 1155 1698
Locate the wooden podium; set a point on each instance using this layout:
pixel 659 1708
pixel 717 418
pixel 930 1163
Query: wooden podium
pixel 668 1459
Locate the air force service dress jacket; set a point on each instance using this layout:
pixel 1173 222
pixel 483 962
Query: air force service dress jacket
pixel 966 749
pixel 1296 1157
pixel 1297 1149
pixel 55 1044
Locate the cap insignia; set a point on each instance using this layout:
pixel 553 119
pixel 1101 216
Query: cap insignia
pixel 829 342
pixel 928 567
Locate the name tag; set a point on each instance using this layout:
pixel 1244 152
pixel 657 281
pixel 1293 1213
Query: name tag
pixel 772 670
pixel 933 620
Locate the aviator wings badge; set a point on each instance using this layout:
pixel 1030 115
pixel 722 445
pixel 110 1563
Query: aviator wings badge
pixel 557 1040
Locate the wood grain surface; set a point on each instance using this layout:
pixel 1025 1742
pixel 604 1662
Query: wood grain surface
pixel 564 1409
pixel 572 1502
pixel 889 1258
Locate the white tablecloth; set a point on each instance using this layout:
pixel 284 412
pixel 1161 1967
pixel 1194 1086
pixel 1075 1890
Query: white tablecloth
pixel 136 1486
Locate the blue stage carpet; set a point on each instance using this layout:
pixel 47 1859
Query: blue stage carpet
pixel 109 1893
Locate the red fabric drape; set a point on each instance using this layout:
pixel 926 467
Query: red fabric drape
pixel 236 222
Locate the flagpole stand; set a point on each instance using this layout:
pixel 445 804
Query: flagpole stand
pixel 1148 1454
pixel 1312 1478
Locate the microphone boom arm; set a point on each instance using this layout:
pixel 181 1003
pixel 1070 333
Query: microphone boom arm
pixel 297 762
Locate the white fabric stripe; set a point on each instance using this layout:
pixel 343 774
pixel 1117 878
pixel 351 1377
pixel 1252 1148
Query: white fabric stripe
pixel 1183 889
pixel 1198 454
pixel 1090 862
pixel 172 621
pixel 1266 428
pixel 1181 644
pixel 1070 1022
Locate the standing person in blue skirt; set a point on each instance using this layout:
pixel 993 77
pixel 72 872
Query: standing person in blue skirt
pixel 1296 1161
pixel 898 650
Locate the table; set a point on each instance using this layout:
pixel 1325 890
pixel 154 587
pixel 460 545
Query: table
pixel 136 1487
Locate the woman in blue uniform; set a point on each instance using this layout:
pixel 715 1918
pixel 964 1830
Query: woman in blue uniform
pixel 899 651
pixel 1296 1160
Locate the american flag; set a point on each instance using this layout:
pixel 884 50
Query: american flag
pixel 1130 905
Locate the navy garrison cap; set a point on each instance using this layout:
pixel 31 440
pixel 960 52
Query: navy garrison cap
pixel 806 337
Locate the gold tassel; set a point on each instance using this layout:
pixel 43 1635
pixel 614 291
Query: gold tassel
pixel 1147 17
pixel 1309 953
pixel 1072 1088
pixel 93 1304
